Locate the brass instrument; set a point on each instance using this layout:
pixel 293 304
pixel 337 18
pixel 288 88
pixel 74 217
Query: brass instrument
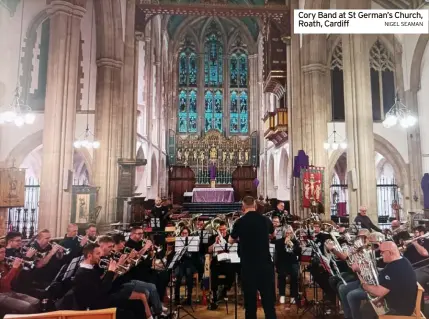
pixel 64 250
pixel 364 258
pixel 407 243
pixel 26 264
pixel 37 255
pixel 120 269
pixel 80 238
pixel 185 222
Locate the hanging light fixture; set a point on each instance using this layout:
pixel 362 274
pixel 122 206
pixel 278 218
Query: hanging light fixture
pixel 87 138
pixel 335 141
pixel 398 113
pixel 17 111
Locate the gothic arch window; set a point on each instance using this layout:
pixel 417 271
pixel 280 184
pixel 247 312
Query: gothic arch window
pixel 337 84
pixel 382 80
pixel 213 79
pixel 213 83
pixel 239 101
pixel 188 88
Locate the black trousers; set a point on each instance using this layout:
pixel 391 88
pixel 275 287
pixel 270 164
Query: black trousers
pixel 321 277
pixel 225 269
pixel 260 278
pixel 288 269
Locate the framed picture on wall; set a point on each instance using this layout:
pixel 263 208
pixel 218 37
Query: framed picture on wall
pixel 12 187
pixel 83 204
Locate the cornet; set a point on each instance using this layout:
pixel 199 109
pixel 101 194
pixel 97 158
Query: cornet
pixel 65 251
pixel 26 264
pixel 120 269
pixel 37 255
pixel 80 238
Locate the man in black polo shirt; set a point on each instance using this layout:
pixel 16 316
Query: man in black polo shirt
pixel 397 284
pixel 253 232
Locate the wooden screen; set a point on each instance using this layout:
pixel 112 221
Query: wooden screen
pixel 181 179
pixel 242 182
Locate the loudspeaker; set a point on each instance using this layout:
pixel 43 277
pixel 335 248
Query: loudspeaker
pixel 68 180
pixel 352 179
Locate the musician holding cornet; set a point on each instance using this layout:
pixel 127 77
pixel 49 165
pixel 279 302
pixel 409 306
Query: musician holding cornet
pixel 73 242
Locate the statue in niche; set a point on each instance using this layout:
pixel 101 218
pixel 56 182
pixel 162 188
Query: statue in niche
pixel 231 155
pixel 195 155
pixel 186 155
pixel 213 153
pixel 240 155
pixel 246 156
pixel 224 154
pixel 202 156
pixel 179 154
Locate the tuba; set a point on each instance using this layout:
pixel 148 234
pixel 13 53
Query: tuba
pixel 184 222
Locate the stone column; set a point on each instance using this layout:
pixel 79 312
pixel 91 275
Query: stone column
pixel 129 107
pixel 253 100
pixel 415 147
pixel 60 112
pixel 148 86
pixel 315 107
pixel 108 132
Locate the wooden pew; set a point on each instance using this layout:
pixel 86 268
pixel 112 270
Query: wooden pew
pixel 109 313
pixel 418 314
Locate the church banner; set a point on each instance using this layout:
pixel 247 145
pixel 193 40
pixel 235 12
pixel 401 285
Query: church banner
pixel 12 187
pixel 312 186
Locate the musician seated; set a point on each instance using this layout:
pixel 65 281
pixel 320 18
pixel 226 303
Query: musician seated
pixel 397 284
pixel 218 268
pixel 352 294
pixel 287 255
pixel 71 242
pixel 11 302
pixel 320 274
pixel 13 245
pixel 395 224
pixel 91 232
pixel 48 261
pixel 185 269
pixel 123 286
pixel 143 271
pixel 417 253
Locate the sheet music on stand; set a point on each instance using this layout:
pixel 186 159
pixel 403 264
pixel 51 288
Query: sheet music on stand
pixel 204 236
pixel 177 257
pixel 155 222
pixel 227 252
pixel 191 242
pixel 73 267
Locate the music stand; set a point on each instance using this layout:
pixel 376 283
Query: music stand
pixel 175 262
pixel 204 236
pixel 155 222
pixel 191 242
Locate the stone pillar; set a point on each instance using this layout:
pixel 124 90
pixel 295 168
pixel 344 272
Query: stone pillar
pixel 108 131
pixel 60 112
pixel 253 100
pixel 295 111
pixel 359 126
pixel 415 147
pixel 129 107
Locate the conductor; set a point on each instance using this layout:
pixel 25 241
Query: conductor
pixel 252 232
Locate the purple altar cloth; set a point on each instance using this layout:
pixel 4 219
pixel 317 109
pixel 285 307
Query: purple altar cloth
pixel 213 195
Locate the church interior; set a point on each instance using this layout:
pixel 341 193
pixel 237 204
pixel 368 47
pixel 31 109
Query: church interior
pixel 107 106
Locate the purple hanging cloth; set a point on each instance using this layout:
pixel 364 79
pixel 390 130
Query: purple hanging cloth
pixel 212 172
pixel 300 161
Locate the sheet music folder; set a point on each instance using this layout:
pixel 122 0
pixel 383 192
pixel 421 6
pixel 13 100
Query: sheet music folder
pixel 155 222
pixel 191 242
pixel 227 252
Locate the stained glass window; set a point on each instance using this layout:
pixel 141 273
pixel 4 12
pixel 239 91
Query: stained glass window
pixel 188 111
pixel 213 79
pixel 239 103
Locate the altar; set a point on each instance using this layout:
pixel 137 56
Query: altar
pixel 213 195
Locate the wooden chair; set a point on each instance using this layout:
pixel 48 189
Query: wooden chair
pixel 109 313
pixel 417 311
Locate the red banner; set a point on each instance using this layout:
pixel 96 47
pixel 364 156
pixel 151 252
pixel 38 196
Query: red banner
pixel 312 186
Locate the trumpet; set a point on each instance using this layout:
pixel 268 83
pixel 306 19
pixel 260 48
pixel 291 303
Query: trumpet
pixel 120 269
pixel 65 251
pixel 37 255
pixel 80 238
pixel 26 264
pixel 407 243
